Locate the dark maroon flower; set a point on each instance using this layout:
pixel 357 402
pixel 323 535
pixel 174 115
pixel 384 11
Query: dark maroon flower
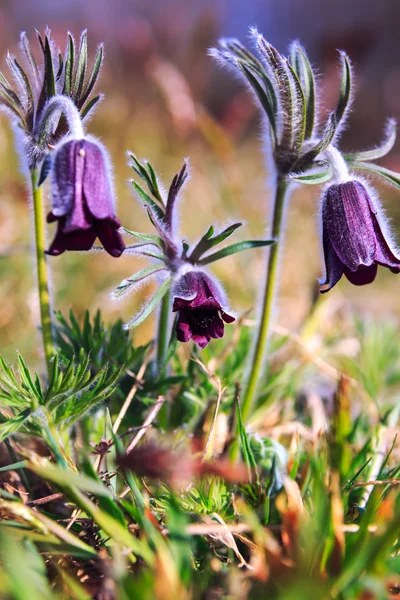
pixel 201 305
pixel 82 199
pixel 356 237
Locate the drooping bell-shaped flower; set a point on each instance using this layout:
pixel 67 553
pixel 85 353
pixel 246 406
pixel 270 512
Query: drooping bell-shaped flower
pixel 356 238
pixel 201 305
pixel 82 199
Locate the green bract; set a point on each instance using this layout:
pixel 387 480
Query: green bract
pixel 26 98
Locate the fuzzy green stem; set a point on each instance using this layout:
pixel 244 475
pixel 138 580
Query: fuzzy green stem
pixel 256 363
pixel 163 332
pixel 41 266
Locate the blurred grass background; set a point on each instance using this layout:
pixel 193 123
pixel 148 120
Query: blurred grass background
pixel 165 99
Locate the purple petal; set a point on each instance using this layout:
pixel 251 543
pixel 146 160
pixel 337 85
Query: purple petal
pixel 194 289
pixel 363 275
pixel 333 265
pixel 227 318
pixel 63 178
pixel 201 340
pixel 96 182
pixel 179 304
pixel 51 218
pixel 110 237
pixel 209 304
pixel 78 216
pixel 77 240
pixel 348 221
pixel 183 332
pixel 384 255
pixel 216 329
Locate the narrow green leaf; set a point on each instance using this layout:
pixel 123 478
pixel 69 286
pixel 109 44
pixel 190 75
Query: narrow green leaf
pixel 93 75
pixel 69 66
pixel 26 379
pixel 113 528
pixel 150 306
pixel 381 150
pixel 154 208
pixel 299 109
pixel 208 241
pixel 247 453
pixel 145 249
pixel 26 47
pixel 263 97
pixel 149 176
pixel 60 66
pixel 90 105
pixel 20 74
pixel 102 387
pixel 14 424
pixel 314 177
pixel 127 284
pixel 146 237
pixel 234 248
pixel 81 66
pixel 390 176
pixel 345 88
pixel 15 466
pixel 307 80
pixel 45 170
pixel 49 78
pixel 283 83
pixel 326 139
pixel 11 106
pixel 154 183
pixel 66 478
pixel 8 91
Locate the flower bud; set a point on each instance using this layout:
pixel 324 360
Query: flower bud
pixel 201 305
pixel 356 238
pixel 82 199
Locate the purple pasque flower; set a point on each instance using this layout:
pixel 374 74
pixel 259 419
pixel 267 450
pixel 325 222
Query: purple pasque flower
pixel 82 199
pixel 201 305
pixel 356 237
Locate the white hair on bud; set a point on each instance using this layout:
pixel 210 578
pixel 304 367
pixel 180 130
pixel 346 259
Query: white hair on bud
pixel 58 105
pixel 18 80
pixel 339 167
pixel 258 40
pixel 31 67
pixel 223 57
pixel 292 46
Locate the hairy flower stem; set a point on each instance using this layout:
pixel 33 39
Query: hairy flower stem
pixel 163 332
pixel 41 265
pixel 256 362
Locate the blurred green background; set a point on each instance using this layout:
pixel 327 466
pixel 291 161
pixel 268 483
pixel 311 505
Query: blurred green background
pixel 165 99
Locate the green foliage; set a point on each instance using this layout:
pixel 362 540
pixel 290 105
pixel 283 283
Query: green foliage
pixel 106 345
pixel 69 394
pixel 304 515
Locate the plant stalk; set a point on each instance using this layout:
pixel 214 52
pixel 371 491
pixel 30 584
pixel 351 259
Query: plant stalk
pixel 256 363
pixel 42 268
pixel 163 332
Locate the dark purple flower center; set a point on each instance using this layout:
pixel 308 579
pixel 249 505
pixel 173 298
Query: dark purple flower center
pixel 201 320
